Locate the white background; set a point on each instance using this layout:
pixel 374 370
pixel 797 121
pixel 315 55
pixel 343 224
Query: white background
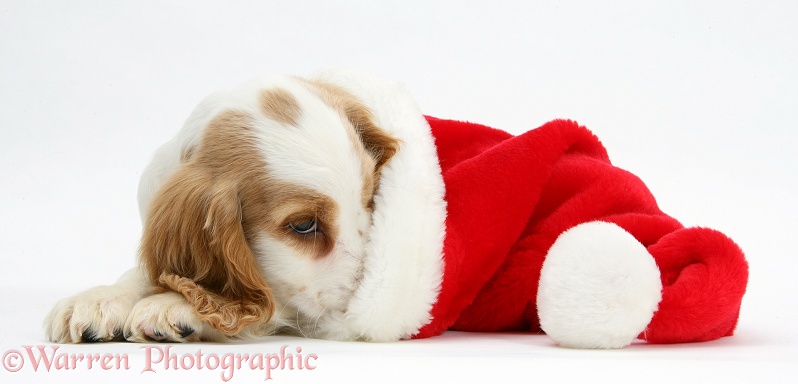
pixel 697 98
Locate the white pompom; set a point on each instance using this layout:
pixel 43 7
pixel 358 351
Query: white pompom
pixel 599 287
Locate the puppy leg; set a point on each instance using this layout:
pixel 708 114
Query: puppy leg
pixel 97 314
pixel 168 317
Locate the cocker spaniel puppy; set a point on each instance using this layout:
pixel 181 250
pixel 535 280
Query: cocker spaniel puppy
pixel 331 207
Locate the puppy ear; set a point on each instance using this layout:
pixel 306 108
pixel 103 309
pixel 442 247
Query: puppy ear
pixel 194 243
pixel 380 145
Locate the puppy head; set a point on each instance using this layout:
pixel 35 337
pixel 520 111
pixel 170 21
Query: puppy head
pixel 270 209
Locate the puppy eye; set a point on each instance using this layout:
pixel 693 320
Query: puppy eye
pixel 303 227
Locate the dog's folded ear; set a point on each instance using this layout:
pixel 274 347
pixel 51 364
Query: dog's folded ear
pixel 379 144
pixel 194 243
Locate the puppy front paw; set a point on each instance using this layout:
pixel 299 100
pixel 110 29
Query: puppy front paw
pixel 95 315
pixel 167 317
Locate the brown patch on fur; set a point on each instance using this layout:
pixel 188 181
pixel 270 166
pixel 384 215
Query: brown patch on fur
pixel 197 233
pixel 378 145
pixel 280 105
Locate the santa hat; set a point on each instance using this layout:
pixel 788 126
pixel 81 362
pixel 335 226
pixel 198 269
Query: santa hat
pixel 475 229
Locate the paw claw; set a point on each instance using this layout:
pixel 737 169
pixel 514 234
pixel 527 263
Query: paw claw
pixel 118 335
pixel 185 330
pixel 155 335
pixel 89 336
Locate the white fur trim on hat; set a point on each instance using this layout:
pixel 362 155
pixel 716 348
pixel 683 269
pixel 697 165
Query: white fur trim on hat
pixel 599 287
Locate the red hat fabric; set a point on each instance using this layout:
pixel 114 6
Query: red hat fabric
pixel 510 197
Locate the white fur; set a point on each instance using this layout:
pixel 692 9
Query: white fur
pixel 599 287
pixel 378 290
